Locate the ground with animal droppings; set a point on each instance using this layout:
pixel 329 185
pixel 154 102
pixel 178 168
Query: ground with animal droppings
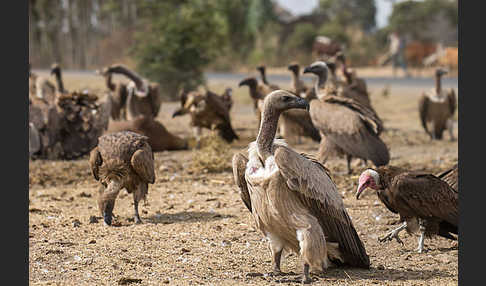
pixel 196 230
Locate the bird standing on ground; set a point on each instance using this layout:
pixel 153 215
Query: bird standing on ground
pixel 292 198
pixel 122 160
pixel 423 201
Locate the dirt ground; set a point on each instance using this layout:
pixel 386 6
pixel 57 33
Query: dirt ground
pixel 197 231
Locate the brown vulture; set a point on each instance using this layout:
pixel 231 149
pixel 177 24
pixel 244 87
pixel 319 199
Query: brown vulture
pixel 263 75
pixel 122 160
pixel 347 127
pixel 293 199
pixel 423 201
pixel 208 110
pixel 451 177
pixel 436 109
pixel 298 85
pixel 353 82
pixel 118 95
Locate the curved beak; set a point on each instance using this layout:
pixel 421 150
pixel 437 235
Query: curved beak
pixel 361 188
pixel 108 212
pixel 307 70
pixel 242 83
pixel 301 103
pixel 178 112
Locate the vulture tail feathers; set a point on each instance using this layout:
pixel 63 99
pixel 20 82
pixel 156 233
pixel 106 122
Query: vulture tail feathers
pixel 225 130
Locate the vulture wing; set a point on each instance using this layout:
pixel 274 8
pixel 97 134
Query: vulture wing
pixel 218 105
pixel 426 196
pixel 423 107
pixel 351 126
pixel 239 166
pixel 95 162
pixel 142 162
pixel 450 177
pixel 451 95
pixel 318 192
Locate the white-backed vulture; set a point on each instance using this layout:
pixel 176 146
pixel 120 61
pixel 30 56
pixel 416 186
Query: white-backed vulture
pixel 298 85
pixel 436 109
pixel 118 95
pixel 347 127
pixel 122 160
pixel 159 138
pixel 292 198
pixel 451 177
pixel 143 96
pixel 207 110
pixel 81 118
pixel 423 201
pixel 263 75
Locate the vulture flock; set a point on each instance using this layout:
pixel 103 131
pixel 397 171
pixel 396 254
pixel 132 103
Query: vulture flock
pixel 291 196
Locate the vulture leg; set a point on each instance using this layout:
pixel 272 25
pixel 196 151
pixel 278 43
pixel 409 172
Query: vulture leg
pixel 276 246
pixel 348 159
pixel 306 278
pixel 394 234
pixel 450 128
pixel 197 133
pixel 420 247
pixel 137 196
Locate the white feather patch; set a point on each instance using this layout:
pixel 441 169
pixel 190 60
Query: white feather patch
pixel 254 168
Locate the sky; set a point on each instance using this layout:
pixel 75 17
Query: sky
pixel 300 7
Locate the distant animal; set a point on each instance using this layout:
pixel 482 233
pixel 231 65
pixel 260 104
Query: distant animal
pixel 424 202
pixel 122 160
pixel 293 199
pixel 298 85
pixel 324 47
pixel 257 92
pixel 118 95
pixel 142 96
pixel 207 110
pixel 451 177
pixel 352 80
pixel 159 138
pixel 437 108
pixel 262 70
pixel 81 119
pixel 347 127
pixel 227 97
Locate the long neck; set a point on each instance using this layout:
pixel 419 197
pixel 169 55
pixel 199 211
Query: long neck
pixel 266 134
pixel 345 72
pixel 438 86
pixel 130 74
pixel 321 82
pixel 109 82
pixel 295 78
pixel 60 85
pixel 264 77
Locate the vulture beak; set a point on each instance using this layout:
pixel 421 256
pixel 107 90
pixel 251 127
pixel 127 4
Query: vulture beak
pixel 361 188
pixel 108 212
pixel 301 103
pixel 242 83
pixel 178 112
pixel 307 70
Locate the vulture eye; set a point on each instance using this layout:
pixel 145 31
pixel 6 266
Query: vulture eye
pixel 287 98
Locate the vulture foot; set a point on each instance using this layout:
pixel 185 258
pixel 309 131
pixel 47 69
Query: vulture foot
pixel 394 234
pixel 138 220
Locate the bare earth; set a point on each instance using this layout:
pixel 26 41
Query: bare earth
pixel 196 230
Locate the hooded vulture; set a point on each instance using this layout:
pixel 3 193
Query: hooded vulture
pixel 451 177
pixel 293 199
pixel 423 201
pixel 208 110
pixel 347 126
pixel 122 160
pixel 142 96
pixel 436 109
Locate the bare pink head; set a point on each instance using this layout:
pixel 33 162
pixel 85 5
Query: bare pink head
pixel 369 178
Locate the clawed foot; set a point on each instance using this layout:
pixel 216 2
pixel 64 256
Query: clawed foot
pixel 390 236
pixel 276 273
pixel 298 279
pixel 421 250
pixel 138 220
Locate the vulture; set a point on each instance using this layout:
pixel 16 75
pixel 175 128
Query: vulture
pixel 424 202
pixel 263 75
pixel 347 126
pixel 451 177
pixel 436 109
pixel 118 95
pixel 80 119
pixel 207 110
pixel 227 97
pixel 298 86
pixel 257 92
pixel 159 138
pixel 293 199
pixel 142 96
pixel 353 82
pixel 122 160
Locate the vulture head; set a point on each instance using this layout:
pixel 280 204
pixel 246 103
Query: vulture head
pixel 294 67
pixel 261 69
pixel 250 82
pixel 192 98
pixel 281 100
pixel 318 68
pixel 369 178
pixel 55 69
pixel 106 202
pixel 440 72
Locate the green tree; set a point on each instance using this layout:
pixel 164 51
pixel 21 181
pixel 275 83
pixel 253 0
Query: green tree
pixel 350 12
pixel 177 40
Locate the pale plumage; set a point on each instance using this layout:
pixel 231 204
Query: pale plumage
pixel 292 198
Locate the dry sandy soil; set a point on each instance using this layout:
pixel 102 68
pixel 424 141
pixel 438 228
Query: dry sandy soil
pixel 196 230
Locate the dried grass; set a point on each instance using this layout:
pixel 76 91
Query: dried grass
pixel 213 157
